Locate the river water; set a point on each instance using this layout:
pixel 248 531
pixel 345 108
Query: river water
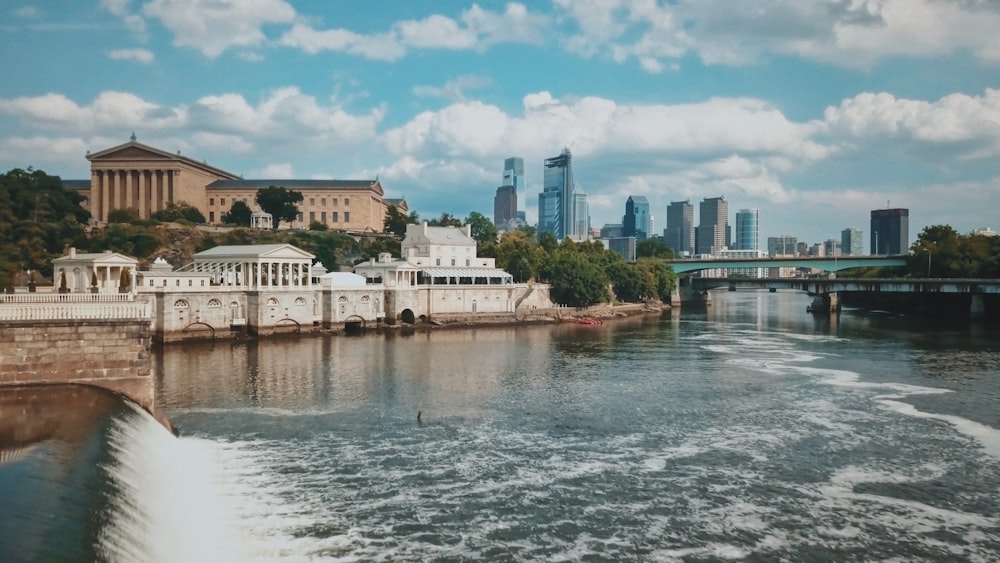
pixel 750 431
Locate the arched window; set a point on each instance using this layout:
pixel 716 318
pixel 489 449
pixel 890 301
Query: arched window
pixel 300 301
pixel 342 299
pixel 181 304
pixel 272 302
pixel 364 299
pixel 214 303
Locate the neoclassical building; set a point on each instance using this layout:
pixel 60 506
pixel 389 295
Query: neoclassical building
pixel 148 179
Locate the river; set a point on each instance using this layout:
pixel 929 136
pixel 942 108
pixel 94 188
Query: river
pixel 748 431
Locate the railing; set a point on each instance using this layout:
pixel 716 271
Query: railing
pixel 73 307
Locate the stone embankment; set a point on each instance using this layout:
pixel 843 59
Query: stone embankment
pixel 544 315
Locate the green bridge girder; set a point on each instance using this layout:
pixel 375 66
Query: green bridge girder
pixel 828 264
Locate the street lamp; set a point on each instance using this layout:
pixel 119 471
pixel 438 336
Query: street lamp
pixel 928 251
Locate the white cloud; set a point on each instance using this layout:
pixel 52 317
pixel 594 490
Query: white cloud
pixel 123 9
pixel 213 26
pixel 856 33
pixel 143 56
pixel 475 29
pixel 61 152
pixel 277 171
pixel 967 125
pixel 454 89
pixel 27 12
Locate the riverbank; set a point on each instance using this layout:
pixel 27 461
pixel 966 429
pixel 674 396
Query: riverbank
pixel 603 312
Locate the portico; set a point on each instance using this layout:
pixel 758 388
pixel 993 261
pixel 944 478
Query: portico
pixel 267 266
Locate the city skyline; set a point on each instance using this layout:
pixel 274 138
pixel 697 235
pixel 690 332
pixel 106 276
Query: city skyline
pixel 813 112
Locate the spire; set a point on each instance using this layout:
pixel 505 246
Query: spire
pixel 132 137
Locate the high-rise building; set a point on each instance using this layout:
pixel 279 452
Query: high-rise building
pixel 558 203
pixel 747 230
pixel 679 233
pixel 784 245
pixel 851 242
pixel 636 220
pixel 581 217
pixel 831 247
pixel 712 232
pixel 890 231
pixel 505 203
pixel 505 207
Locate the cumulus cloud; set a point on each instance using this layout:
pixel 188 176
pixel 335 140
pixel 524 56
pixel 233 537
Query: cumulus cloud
pixel 454 89
pixel 123 9
pixel 958 125
pixel 844 32
pixel 143 56
pixel 475 29
pixel 277 170
pixel 212 27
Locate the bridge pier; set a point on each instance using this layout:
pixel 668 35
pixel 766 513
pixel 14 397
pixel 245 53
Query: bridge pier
pixel 825 303
pixel 681 295
pixel 977 309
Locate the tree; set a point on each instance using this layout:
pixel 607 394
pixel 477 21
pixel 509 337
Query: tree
pixel 179 211
pixel 576 281
pixel 548 242
pixel 446 220
pixel 483 230
pixel 239 214
pixel 396 222
pixel 280 203
pixel 123 215
pixel 653 248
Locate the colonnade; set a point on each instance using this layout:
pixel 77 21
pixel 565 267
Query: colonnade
pixel 146 190
pixel 261 275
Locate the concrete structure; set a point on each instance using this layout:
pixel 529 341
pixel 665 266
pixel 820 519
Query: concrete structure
pixel 679 233
pixel 783 245
pixel 148 179
pixel 747 230
pixel 712 233
pixel 624 246
pixel 890 231
pixel 635 223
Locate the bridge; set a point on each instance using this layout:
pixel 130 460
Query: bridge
pixel 827 290
pixel 824 263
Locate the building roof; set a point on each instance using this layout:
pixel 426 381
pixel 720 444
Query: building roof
pixel 103 258
pixel 254 251
pixel 439 235
pixel 76 185
pixel 465 272
pixel 134 150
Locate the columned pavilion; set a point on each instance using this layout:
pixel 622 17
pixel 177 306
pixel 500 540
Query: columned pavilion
pixel 255 267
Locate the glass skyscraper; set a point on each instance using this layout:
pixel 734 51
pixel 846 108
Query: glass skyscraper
pixel 851 242
pixel 747 230
pixel 559 204
pixel 506 202
pixel 636 220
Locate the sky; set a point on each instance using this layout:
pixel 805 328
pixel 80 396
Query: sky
pixel 815 112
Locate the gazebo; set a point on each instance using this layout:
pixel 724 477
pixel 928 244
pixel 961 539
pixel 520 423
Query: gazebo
pixel 81 270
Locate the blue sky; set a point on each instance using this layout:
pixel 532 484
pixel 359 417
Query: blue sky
pixel 813 111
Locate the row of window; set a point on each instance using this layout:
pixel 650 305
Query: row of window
pixel 312 201
pixel 334 217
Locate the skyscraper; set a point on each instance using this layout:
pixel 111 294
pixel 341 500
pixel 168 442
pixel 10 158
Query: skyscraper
pixel 784 245
pixel 636 220
pixel 712 232
pixel 890 231
pixel 851 242
pixel 505 202
pixel 679 233
pixel 557 204
pixel 747 230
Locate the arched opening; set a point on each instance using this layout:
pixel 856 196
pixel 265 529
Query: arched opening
pixel 287 326
pixel 407 316
pixel 354 325
pixel 198 330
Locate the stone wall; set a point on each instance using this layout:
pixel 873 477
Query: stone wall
pixel 113 354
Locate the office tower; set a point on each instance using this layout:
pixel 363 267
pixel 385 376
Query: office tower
pixel 581 217
pixel 890 231
pixel 783 245
pixel 505 207
pixel 556 203
pixel 505 203
pixel 747 230
pixel 831 247
pixel 712 232
pixel 636 220
pixel 851 242
pixel 679 233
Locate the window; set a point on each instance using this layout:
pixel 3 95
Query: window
pixel 334 202
pixel 323 202
pixel 211 201
pixel 437 262
pixel 299 217
pixel 347 216
pixel 214 303
pixel 312 202
pixel 467 262
pixel 322 216
pixel 347 201
pixel 211 216
pixel 333 216
pixel 222 202
pixel 452 261
pixel 312 216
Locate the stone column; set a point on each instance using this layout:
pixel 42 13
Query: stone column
pixel 977 309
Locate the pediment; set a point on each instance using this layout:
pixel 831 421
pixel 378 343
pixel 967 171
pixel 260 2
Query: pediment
pixel 132 151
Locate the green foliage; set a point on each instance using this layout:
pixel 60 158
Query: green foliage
pixel 446 220
pixel 239 214
pixel 577 281
pixel 123 215
pixel 131 240
pixel 396 222
pixel 178 212
pixel 318 226
pixel 326 245
pixel 280 203
pixel 483 229
pixel 653 248
pixel 548 242
pixel 941 252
